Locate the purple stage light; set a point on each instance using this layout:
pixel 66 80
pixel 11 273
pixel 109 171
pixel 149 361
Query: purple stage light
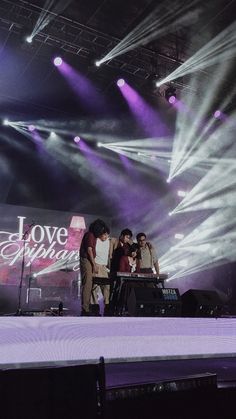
pixel 90 97
pixel 146 116
pixel 120 82
pixel 172 99
pixel 31 127
pixel 217 114
pixel 57 61
pixel 77 139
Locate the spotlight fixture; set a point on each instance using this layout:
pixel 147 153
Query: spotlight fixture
pixel 57 61
pixel 120 82
pixel 217 114
pixel 99 144
pixel 168 180
pixel 53 134
pixel 153 79
pixel 6 122
pixel 76 139
pixel 31 127
pixel 170 95
pixel 182 194
pixel 29 39
pixel 179 236
pixel 97 63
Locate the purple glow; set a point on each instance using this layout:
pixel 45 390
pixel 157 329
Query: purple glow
pixel 125 161
pixel 145 115
pixel 77 139
pixel 172 99
pixel 217 114
pixel 31 127
pixel 111 181
pixel 120 83
pixel 38 140
pixel 57 61
pixel 91 98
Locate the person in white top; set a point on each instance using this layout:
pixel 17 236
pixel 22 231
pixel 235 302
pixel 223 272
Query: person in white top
pixel 101 260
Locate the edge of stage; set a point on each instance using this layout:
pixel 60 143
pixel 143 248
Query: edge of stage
pixel 55 341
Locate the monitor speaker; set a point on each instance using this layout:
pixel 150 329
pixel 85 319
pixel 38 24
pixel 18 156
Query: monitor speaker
pixel 154 302
pixel 201 303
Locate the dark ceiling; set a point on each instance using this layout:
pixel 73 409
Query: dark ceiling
pixel 31 88
pixel 84 31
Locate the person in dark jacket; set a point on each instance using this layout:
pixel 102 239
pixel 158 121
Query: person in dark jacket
pixel 130 262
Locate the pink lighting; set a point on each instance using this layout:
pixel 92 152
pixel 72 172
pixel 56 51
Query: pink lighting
pixel 217 114
pixel 120 82
pixel 31 128
pixel 172 99
pixel 57 61
pixel 77 139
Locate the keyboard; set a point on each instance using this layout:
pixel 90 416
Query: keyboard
pixel 141 276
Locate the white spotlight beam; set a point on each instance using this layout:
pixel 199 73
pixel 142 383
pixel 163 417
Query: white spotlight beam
pixel 210 244
pixel 145 151
pixel 203 149
pixel 164 18
pixel 219 49
pixel 50 11
pixel 193 127
pixel 214 190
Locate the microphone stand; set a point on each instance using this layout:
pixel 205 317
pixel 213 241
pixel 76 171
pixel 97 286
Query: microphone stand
pixel 24 238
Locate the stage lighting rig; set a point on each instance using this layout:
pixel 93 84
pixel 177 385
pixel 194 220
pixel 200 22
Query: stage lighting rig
pixel 170 94
pixel 29 39
pixel 57 61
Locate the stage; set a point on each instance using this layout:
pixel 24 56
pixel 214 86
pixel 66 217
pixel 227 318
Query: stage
pixel 155 364
pixel 52 341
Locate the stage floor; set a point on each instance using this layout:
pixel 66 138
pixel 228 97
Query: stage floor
pixel 50 341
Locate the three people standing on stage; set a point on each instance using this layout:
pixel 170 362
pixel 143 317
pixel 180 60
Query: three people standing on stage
pixel 100 255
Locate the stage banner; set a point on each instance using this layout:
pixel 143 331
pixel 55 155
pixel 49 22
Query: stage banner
pixel 45 242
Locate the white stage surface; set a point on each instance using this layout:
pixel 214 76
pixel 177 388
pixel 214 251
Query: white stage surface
pixel 52 341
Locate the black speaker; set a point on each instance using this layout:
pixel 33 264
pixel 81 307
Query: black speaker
pixel 201 303
pixel 154 302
